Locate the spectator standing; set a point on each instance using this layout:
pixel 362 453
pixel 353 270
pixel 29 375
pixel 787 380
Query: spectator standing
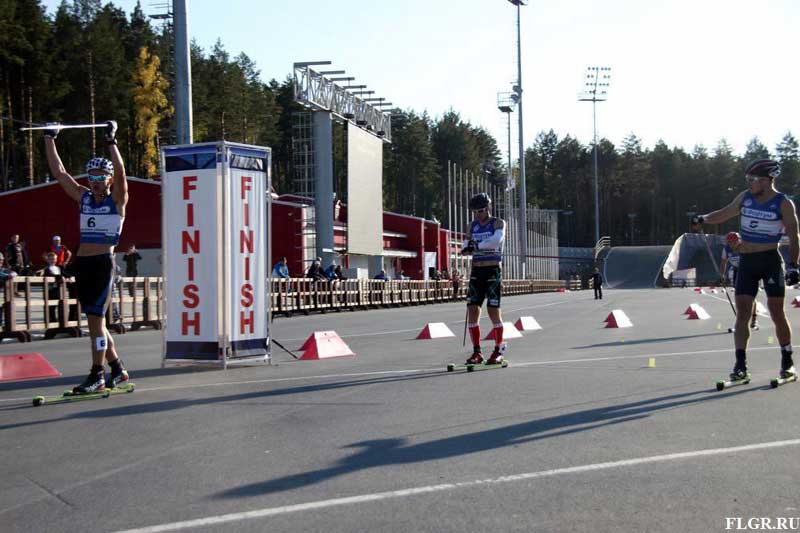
pixel 14 258
pixel 132 258
pixel 51 269
pixel 5 273
pixel 63 254
pixel 597 284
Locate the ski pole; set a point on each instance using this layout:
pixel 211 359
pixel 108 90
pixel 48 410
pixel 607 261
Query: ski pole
pixel 716 269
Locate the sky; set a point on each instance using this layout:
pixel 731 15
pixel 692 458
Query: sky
pixel 688 72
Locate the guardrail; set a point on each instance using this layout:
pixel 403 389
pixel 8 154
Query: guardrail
pixel 49 306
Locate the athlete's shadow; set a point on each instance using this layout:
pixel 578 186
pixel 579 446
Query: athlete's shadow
pixel 71 381
pixel 391 452
pixel 176 404
pixel 647 341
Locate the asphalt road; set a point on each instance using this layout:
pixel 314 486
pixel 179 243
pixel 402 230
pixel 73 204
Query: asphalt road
pixel 579 433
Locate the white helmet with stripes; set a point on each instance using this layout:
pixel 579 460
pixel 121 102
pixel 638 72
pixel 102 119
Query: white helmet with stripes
pixel 100 163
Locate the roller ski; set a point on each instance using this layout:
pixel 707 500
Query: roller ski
pixel 788 373
pixel 94 386
pixel 71 396
pixel 476 361
pixel 739 376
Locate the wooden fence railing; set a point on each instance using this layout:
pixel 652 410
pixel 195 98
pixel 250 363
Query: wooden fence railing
pixel 49 306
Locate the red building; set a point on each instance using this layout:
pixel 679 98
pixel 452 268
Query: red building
pixel 38 212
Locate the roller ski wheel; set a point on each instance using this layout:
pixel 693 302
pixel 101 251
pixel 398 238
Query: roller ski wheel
pixel 728 383
pixel 782 380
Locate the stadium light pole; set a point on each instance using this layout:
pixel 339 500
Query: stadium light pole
pixel 596 84
pixel 183 73
pixel 523 197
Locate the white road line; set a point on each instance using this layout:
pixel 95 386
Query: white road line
pixel 378 496
pixel 417 371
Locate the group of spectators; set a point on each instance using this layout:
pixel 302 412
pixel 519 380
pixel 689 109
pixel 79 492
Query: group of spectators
pixel 56 262
pixel 334 272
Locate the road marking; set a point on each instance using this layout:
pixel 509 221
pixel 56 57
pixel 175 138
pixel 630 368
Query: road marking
pixel 414 491
pixel 416 371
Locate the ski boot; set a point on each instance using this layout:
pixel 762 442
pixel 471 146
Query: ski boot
pixel 787 366
pixel 476 358
pixel 94 382
pixel 497 355
pixel 118 374
pixel 739 372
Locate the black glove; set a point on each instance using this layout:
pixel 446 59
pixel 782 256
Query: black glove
pixel 698 219
pixel 111 131
pixel 792 274
pixel 52 133
pixel 470 248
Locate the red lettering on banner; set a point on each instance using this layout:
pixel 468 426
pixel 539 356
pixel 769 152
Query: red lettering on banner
pixel 246 241
pixel 192 241
pixel 192 299
pixel 247 295
pixel 246 318
pixel 246 245
pixel 189 185
pixel 187 322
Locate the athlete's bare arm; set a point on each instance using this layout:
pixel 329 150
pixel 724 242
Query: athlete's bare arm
pixel 790 225
pixel 73 189
pixel 119 192
pixel 726 213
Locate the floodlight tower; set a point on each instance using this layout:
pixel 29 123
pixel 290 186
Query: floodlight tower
pixel 595 89
pixel 523 199
pixel 506 103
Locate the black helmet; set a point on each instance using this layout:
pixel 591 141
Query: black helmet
pixel 763 168
pixel 479 201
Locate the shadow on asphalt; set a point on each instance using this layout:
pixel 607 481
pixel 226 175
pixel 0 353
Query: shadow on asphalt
pixel 70 381
pixel 648 341
pixel 392 452
pixel 172 405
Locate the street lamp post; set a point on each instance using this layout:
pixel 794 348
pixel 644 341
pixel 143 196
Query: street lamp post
pixel 596 84
pixel 523 200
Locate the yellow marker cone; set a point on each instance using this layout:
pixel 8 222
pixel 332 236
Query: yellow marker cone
pixel 770 340
pixel 719 326
pixel 622 339
pixel 651 363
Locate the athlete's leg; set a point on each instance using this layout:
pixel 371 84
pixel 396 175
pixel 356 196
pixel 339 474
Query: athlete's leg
pixel 741 335
pixel 97 336
pixel 783 330
pixel 111 350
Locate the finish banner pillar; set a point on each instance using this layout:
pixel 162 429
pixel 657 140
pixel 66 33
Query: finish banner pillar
pixel 215 216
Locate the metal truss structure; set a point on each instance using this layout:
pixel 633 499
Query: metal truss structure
pixel 315 91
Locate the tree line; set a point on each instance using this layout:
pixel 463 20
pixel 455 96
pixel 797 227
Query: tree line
pixel 90 62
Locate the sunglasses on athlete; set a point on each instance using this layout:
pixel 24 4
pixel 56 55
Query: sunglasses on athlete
pixel 98 177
